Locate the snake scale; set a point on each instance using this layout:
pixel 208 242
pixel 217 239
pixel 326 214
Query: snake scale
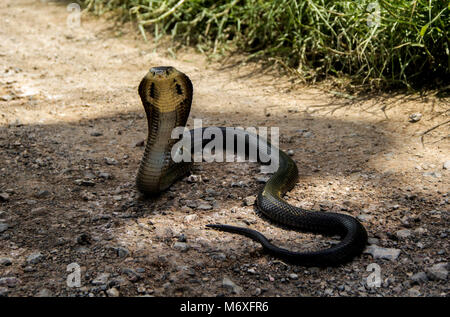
pixel 166 95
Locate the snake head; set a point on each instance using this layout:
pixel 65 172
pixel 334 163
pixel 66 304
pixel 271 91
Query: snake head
pixel 165 88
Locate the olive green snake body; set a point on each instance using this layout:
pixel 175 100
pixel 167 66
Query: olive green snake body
pixel 166 95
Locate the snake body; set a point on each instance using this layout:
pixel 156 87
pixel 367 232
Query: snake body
pixel 166 95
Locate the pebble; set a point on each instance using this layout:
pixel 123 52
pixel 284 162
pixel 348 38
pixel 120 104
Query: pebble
pixel 104 175
pixel 96 133
pixel 290 152
pixel 193 178
pixel 446 165
pixel 438 271
pixel 293 276
pixel 3 291
pixel 9 281
pixel 419 278
pixel 181 246
pixel 262 179
pixel 35 258
pixel 204 206
pixel 3 227
pixel 111 161
pixel 432 174
pixel 42 194
pixel 45 292
pixel 364 217
pixel 113 292
pixel 249 200
pixel 5 261
pixel 101 279
pixel 415 117
pixel 190 218
pixel 403 234
pixel 84 182
pixel 231 286
pixel 378 252
pixel 4 196
pixel 413 292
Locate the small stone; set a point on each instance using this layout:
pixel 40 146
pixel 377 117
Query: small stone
pixel 96 133
pixel 6 98
pixel 252 271
pixel 293 276
pixel 419 278
pixel 432 174
pixel 262 179
pixel 111 161
pixel 364 217
pixel 403 234
pixel 9 281
pixel 249 200
pixel 121 252
pixel 104 175
pixel 181 246
pixel 290 152
pixel 44 293
pixel 382 253
pixel 204 206
pixel 35 258
pixel 413 292
pixel 190 218
pixel 193 178
pixel 232 287
pixel 415 117
pixel 438 271
pixel 3 291
pixel 5 261
pixel 140 143
pixel 446 165
pixel 84 182
pixel 3 227
pixel 101 279
pixel 113 292
pixel 42 194
pixel 4 196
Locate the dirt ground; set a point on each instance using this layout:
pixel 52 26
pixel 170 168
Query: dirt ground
pixel 71 132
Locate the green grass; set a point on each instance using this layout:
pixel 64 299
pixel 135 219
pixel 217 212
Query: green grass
pixel 377 44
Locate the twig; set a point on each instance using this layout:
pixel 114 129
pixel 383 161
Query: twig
pixel 431 129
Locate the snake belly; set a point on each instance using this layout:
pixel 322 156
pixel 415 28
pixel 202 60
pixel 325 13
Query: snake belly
pixel 166 95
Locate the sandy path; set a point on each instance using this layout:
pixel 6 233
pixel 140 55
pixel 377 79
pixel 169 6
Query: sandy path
pixel 68 99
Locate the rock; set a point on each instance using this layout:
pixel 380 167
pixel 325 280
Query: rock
pixel 403 234
pixel 415 117
pixel 419 278
pixel 438 271
pixel 133 276
pixel 262 179
pixel 204 206
pixel 9 281
pixel 382 253
pixel 4 196
pixel 6 98
pixel 249 200
pixel 364 217
pixel 293 276
pixel 229 285
pixel 3 291
pixel 432 174
pixel 96 133
pixel 113 292
pixel 193 178
pixel 290 152
pixel 84 182
pixel 104 175
pixel 3 227
pixel 5 261
pixel 190 218
pixel 181 246
pixel 101 279
pixel 44 293
pixel 42 194
pixel 446 165
pixel 121 252
pixel 413 292
pixel 35 258
pixel 252 271
pixel 111 161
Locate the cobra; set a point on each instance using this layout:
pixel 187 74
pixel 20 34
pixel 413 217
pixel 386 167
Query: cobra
pixel 166 95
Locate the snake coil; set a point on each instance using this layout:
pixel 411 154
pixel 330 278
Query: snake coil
pixel 166 95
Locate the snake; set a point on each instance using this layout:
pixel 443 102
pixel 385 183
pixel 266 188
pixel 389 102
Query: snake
pixel 166 95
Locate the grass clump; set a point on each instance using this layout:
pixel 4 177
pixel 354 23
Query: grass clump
pixel 378 44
